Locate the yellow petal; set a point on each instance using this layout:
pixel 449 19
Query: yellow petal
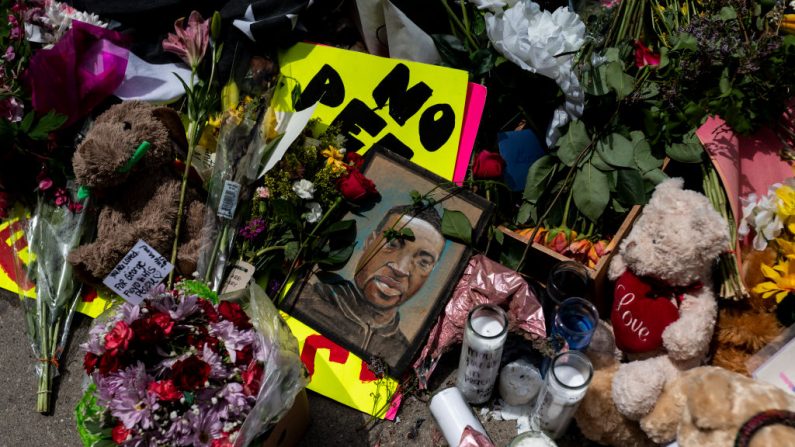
pixel 770 273
pixel 781 295
pixel 763 287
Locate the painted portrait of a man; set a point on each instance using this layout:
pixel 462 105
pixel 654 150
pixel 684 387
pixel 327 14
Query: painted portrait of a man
pixel 383 300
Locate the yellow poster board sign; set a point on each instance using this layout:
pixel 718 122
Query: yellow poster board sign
pixel 415 110
pixel 340 375
pixel 91 304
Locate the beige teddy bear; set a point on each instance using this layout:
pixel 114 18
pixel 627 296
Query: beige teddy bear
pixel 664 308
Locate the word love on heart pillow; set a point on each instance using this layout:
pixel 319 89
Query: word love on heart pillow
pixel 638 317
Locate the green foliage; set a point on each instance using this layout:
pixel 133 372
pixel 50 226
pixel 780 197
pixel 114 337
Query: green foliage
pixel 456 225
pixel 92 423
pixel 198 288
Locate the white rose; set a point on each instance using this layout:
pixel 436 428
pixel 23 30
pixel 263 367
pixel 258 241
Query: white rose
pixel 544 43
pixel 304 189
pixel 315 212
pixel 493 5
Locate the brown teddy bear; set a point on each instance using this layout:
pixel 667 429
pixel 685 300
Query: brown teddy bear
pixel 135 188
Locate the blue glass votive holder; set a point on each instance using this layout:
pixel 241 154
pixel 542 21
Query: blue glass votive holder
pixel 576 320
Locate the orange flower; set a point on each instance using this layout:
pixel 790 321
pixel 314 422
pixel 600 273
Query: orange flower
pixel 558 240
pixel 596 252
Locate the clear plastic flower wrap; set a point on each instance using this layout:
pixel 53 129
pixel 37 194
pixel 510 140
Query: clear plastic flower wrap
pixel 183 368
pixel 241 146
pixel 55 228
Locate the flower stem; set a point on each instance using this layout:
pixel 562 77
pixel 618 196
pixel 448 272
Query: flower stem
pixel 458 23
pixel 268 250
pixel 193 130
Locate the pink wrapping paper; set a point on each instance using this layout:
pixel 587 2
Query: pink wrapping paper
pixel 483 282
pixel 79 72
pixel 473 438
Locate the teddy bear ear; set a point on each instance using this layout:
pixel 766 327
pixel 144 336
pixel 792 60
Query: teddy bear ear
pixel 170 118
pixel 670 184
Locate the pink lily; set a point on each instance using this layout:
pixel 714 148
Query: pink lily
pixel 190 42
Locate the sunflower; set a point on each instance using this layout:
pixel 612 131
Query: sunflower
pixel 781 281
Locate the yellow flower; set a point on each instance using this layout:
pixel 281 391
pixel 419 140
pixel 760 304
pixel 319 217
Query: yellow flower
pixel 787 248
pixel 781 284
pixel 334 158
pixel 215 121
pixel 786 206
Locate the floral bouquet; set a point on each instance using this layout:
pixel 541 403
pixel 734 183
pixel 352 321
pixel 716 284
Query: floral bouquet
pixel 182 369
pixel 56 227
pixel 772 219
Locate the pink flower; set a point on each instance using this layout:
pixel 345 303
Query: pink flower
pixel 644 56
pixel 45 184
pixel 263 192
pixel 9 55
pixel 610 3
pixel 11 109
pixel 189 43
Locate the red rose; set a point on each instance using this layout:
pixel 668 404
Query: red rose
pixel 163 321
pixel 355 187
pixel 209 310
pixel 90 362
pixel 644 56
pixel 165 390
pixel 120 433
pixel 108 363
pixel 487 165
pixel 223 441
pixel 234 313
pixel 252 377
pixel 119 337
pixel 354 160
pixel 244 356
pixel 147 332
pixel 190 374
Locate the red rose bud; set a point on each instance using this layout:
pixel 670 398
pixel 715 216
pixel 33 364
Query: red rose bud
pixel 190 374
pixel 234 313
pixel 557 241
pixel 109 362
pixel 209 310
pixel 147 332
pixel 165 390
pixel 354 160
pixel 120 433
pixel 90 362
pixel 355 187
pixel 119 337
pixel 644 56
pixel 252 378
pixel 163 321
pixel 488 165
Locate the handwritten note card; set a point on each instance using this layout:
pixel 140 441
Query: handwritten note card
pixel 239 277
pixel 141 269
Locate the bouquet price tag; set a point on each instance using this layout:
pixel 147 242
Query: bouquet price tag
pixel 226 208
pixel 141 269
pixel 239 277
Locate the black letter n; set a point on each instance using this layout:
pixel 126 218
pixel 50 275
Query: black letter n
pixel 404 102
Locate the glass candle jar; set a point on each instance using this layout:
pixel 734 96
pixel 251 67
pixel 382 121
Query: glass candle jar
pixel 532 439
pixel 565 280
pixel 484 336
pixel 575 321
pixel 566 382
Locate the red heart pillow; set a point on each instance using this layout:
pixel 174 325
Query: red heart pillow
pixel 639 319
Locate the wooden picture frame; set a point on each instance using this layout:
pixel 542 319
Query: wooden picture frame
pixel 382 303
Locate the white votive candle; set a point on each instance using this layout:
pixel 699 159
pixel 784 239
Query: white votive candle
pixel 520 382
pixel 478 367
pixel 453 415
pixel 566 384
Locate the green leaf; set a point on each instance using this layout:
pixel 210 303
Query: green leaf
pixel 285 211
pixel 612 54
pixel 724 84
pixel 595 81
pixel 689 150
pixel 338 256
pixel 46 124
pixel 526 211
pixel 27 122
pixel 599 163
pixel 291 250
pixel 591 191
pixel 727 13
pixel 648 90
pixel 616 150
pixel 572 143
pixel 341 226
pixel 655 176
pixel 537 177
pixel 456 225
pixel 482 61
pixel 664 58
pixel 644 158
pixel 622 83
pixel 685 41
pixel 618 207
pixel 630 189
pixel 451 50
pixel 499 236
